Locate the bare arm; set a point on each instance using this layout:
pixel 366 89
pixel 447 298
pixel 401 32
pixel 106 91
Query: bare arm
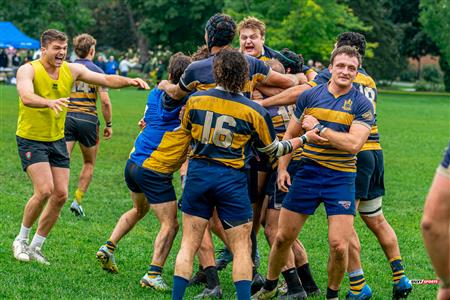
pixel 269 90
pixel 25 89
pixel 80 72
pixel 173 90
pixel 286 97
pixel 280 80
pixel 311 75
pixel 107 113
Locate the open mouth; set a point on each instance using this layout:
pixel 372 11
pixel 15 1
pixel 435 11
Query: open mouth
pixel 249 48
pixel 59 60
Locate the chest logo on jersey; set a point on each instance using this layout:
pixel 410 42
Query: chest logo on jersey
pixel 55 86
pixel 347 105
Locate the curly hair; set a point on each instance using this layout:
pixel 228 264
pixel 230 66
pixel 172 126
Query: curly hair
pixel 252 23
pixel 231 70
pixel 291 60
pixel 177 64
pixel 353 39
pixel 220 30
pixel 82 44
pixel 201 53
pixel 347 50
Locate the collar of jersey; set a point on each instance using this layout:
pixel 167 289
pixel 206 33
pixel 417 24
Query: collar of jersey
pixel 221 88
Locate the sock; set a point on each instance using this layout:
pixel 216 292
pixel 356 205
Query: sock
pixel 243 288
pixel 154 270
pixel 332 294
pixel 37 241
pixel 398 271
pixel 357 281
pixel 179 287
pixel 270 285
pixel 292 281
pixel 24 233
pixel 254 245
pixel 79 196
pixel 110 245
pixel 212 277
pixel 306 277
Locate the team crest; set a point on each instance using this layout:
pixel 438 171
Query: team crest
pixel 368 115
pixel 55 86
pixel 347 105
pixel 345 204
pixel 28 155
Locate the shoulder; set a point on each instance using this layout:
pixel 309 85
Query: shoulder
pixel 269 52
pixel 200 64
pixel 365 79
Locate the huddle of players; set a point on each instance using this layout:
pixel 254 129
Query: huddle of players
pixel 232 139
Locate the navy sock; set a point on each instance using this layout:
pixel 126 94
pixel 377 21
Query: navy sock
pixel 179 287
pixel 243 288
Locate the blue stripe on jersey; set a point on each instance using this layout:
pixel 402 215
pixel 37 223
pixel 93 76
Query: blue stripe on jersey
pixel 446 160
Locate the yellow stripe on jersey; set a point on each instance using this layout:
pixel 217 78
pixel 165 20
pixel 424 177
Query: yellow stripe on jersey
pixel 92 96
pixel 205 86
pixel 329 115
pixel 365 80
pixel 237 163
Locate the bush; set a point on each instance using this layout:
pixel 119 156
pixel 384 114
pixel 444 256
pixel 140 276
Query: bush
pixel 408 75
pixel 426 86
pixel 431 73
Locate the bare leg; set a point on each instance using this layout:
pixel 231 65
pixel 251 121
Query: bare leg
pixel 206 251
pixel 239 238
pixel 89 158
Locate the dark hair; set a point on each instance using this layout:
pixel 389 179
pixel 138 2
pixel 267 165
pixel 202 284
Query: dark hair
pixel 201 53
pixel 353 39
pixel 177 64
pixel 230 70
pixel 51 35
pixel 291 60
pixel 220 29
pixel 347 50
pixel 82 44
pixel 276 65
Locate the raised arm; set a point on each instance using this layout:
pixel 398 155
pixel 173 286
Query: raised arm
pixel 173 90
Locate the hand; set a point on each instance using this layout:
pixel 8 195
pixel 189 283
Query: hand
pixel 107 133
pixel 181 115
pixel 301 78
pixel 283 180
pixel 58 104
pixel 162 85
pixel 257 95
pixel 443 294
pixel 308 122
pixel 313 137
pixel 142 123
pixel 138 82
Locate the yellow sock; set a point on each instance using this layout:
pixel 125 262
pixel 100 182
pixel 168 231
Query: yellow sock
pixel 79 196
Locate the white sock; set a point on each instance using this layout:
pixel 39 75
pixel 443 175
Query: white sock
pixel 24 233
pixel 37 241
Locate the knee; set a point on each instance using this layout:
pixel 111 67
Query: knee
pixel 60 195
pixel 339 248
pixel 44 191
pixel 170 227
pixel 88 166
pixel 427 225
pixel 270 232
pixel 283 240
pixel 141 211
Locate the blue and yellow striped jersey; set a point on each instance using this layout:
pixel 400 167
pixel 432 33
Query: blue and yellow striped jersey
pixel 337 113
pixel 223 125
pixel 83 97
pixel 366 85
pixel 444 167
pixel 199 75
pixel 161 146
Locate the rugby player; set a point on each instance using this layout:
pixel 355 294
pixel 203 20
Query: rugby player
pixel 44 86
pixel 148 174
pixel 223 123
pixel 435 225
pixel 82 123
pixel 327 171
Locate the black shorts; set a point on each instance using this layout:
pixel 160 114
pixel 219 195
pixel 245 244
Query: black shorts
pixel 276 196
pixel 82 128
pixel 157 187
pixel 32 152
pixel 370 175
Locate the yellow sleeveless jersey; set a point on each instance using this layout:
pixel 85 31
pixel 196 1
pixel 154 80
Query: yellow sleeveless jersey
pixel 43 124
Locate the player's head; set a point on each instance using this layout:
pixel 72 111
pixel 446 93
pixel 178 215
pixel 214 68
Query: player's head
pixel 353 39
pixel 276 65
pixel 344 64
pixel 251 36
pixel 84 45
pixel 231 70
pixel 201 53
pixel 219 31
pixel 292 62
pixel 54 46
pixel 177 64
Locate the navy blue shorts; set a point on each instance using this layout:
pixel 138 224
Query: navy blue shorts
pixel 157 187
pixel 210 185
pixel 276 196
pixel 82 128
pixel 313 184
pixel 370 175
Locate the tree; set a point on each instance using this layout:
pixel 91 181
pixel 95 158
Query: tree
pixel 434 17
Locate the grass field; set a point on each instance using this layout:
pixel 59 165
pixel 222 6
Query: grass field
pixel 414 131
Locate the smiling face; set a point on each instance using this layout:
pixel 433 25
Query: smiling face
pixel 55 52
pixel 344 70
pixel 251 41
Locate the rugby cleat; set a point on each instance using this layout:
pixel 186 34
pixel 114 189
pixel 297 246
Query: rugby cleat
pixel 37 255
pixel 20 250
pixel 312 291
pixel 365 294
pixel 107 260
pixel 215 293
pixel 77 209
pixel 155 282
pixel 264 294
pixel 297 296
pixel 223 258
pixel 198 278
pixel 257 283
pixel 402 288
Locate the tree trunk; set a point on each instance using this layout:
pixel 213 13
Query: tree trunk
pixel 141 38
pixel 445 67
pixel 418 68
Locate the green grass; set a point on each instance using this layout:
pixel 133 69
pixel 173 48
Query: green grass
pixel 414 131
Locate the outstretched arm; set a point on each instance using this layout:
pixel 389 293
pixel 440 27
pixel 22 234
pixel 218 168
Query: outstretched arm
pixel 173 90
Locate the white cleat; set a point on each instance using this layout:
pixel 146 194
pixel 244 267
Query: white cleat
pixel 37 255
pixel 20 250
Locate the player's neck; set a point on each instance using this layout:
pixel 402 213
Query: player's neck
pixel 52 70
pixel 338 90
pixel 216 49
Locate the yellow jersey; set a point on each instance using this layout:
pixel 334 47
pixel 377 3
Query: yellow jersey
pixel 43 124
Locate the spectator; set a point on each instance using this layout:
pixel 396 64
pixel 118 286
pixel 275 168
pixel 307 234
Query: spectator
pixel 111 66
pixel 125 66
pixel 3 59
pixel 101 62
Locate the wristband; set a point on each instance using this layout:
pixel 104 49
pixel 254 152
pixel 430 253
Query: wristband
pixel 321 128
pixel 108 124
pixel 304 139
